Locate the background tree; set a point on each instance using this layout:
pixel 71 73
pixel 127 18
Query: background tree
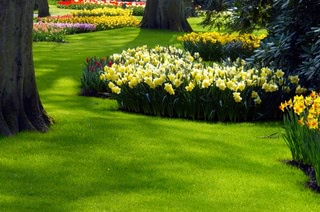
pixel 247 15
pixel 165 14
pixel 43 8
pixel 20 105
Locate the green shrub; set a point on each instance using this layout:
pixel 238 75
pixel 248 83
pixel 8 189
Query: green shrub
pixel 137 11
pixel 220 20
pixel 293 43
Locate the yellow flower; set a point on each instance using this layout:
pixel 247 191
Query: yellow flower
pixel 279 73
pixel 300 90
pixel 313 123
pixel 169 89
pixel 237 97
pixel 294 79
pixel 308 100
pixel 116 90
pixel 254 94
pixel 177 83
pixel 241 86
pixel 205 83
pixel 257 100
pixel 190 86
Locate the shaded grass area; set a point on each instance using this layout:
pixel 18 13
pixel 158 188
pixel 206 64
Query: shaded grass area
pixel 97 158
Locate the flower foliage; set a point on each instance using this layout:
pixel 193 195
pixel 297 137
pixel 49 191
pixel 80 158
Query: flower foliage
pixel 172 82
pixel 214 46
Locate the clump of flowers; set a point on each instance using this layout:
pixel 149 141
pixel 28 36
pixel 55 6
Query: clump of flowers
pixel 302 132
pixel 214 46
pixel 306 108
pixel 172 82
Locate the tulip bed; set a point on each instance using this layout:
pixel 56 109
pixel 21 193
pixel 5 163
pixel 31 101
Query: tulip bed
pixel 58 31
pixel 55 28
pixel 167 81
pixel 100 2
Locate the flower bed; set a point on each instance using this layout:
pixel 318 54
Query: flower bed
pixel 214 46
pixel 56 31
pixel 302 132
pixel 106 2
pixel 102 23
pixel 174 83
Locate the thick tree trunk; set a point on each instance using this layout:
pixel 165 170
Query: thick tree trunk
pixel 165 14
pixel 43 8
pixel 20 105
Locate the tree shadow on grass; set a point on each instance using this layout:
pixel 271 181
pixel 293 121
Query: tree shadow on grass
pixel 59 65
pixel 130 157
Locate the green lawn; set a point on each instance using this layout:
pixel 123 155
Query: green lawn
pixel 96 158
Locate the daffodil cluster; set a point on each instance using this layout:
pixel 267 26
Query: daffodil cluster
pixel 307 108
pixel 302 132
pixel 161 74
pixel 215 46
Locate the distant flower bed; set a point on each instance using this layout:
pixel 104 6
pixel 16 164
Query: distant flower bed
pixel 174 83
pixel 214 46
pixel 103 12
pixel 56 31
pixel 101 22
pixel 101 2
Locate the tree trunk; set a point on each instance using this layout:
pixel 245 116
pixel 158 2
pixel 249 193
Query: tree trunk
pixel 20 105
pixel 165 14
pixel 43 8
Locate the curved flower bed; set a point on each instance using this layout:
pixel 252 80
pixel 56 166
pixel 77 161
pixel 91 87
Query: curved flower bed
pixel 172 82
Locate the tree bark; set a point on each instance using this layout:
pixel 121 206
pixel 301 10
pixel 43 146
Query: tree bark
pixel 20 105
pixel 43 8
pixel 165 14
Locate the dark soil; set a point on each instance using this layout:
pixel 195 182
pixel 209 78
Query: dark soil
pixel 309 171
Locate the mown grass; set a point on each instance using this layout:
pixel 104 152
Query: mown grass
pixel 96 158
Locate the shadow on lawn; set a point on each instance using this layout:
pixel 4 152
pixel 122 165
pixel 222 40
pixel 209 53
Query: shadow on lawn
pixel 54 61
pixel 163 163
